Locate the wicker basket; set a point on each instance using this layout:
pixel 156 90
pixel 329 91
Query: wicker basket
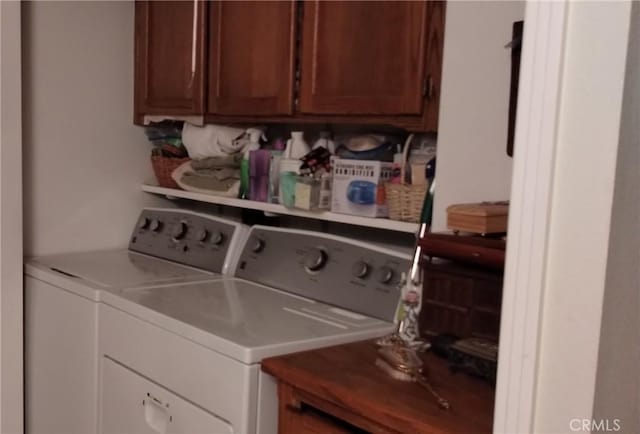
pixel 163 166
pixel 405 201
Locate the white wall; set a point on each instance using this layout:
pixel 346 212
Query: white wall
pixel 11 343
pixel 587 145
pixel 618 383
pixel 83 157
pixel 473 165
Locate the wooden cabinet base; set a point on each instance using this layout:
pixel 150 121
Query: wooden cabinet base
pixel 303 413
pixel 341 390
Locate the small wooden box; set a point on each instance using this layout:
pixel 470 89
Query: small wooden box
pixel 479 218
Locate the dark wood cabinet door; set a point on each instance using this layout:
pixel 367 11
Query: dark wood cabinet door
pixel 363 57
pixel 251 57
pixel 169 57
pixel 433 63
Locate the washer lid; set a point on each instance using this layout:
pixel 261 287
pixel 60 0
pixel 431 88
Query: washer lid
pixel 244 320
pixel 120 268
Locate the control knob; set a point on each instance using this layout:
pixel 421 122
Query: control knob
pixel 155 225
pixel 217 237
pixel 315 259
pixel 179 231
pixel 385 274
pixel 144 223
pixel 360 269
pixel 258 245
pixel 202 235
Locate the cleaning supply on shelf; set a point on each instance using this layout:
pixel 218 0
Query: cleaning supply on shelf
pixel 317 160
pixel 274 171
pixel 313 187
pixel 296 146
pixel 325 191
pixel 324 141
pixel 254 145
pixel 307 193
pixel 359 187
pixel 289 170
pixel 259 175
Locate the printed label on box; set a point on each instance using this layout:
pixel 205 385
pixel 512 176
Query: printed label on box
pixel 358 187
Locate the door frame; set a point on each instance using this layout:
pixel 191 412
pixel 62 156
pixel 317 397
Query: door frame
pixel 11 280
pixel 529 211
pixel 565 116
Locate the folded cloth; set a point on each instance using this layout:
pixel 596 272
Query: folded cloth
pixel 215 175
pixel 218 162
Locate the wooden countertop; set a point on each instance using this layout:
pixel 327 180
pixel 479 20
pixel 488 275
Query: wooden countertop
pixel 346 375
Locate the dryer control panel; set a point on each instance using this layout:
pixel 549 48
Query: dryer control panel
pixel 186 237
pixel 343 272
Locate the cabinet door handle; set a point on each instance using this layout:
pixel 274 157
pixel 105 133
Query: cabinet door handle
pixel 194 41
pixel 429 88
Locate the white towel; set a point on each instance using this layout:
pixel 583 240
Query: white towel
pixel 212 140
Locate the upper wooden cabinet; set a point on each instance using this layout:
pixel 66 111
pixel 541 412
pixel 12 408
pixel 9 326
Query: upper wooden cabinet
pixel 251 57
pixel 291 61
pixel 363 57
pixel 169 55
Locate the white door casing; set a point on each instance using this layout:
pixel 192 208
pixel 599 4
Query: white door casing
pixel 566 142
pixel 11 328
pixel 535 143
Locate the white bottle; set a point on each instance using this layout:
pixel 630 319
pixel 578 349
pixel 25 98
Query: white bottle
pixel 296 146
pixel 324 141
pixel 254 141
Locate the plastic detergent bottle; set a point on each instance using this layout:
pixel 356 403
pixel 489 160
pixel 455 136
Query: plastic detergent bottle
pixel 324 141
pixel 296 146
pixel 254 145
pixel 274 171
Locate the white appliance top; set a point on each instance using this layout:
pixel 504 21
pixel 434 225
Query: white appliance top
pixel 112 269
pixel 293 290
pixel 244 320
pixel 166 246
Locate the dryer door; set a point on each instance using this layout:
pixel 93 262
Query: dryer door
pixel 132 404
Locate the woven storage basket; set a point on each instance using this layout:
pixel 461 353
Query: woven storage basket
pixel 163 166
pixel 403 200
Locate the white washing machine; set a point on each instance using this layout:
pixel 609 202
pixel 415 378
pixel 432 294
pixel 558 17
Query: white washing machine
pixel 62 293
pixel 185 358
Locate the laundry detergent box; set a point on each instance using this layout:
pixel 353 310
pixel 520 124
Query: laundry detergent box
pixel 358 187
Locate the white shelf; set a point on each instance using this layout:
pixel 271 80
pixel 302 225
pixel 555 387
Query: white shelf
pixel 379 223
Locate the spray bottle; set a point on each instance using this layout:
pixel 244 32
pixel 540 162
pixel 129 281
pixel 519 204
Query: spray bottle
pixel 254 145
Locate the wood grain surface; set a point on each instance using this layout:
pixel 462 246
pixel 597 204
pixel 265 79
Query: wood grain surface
pixel 344 379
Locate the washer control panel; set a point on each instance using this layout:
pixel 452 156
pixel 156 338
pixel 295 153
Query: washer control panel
pixel 340 271
pixel 182 236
